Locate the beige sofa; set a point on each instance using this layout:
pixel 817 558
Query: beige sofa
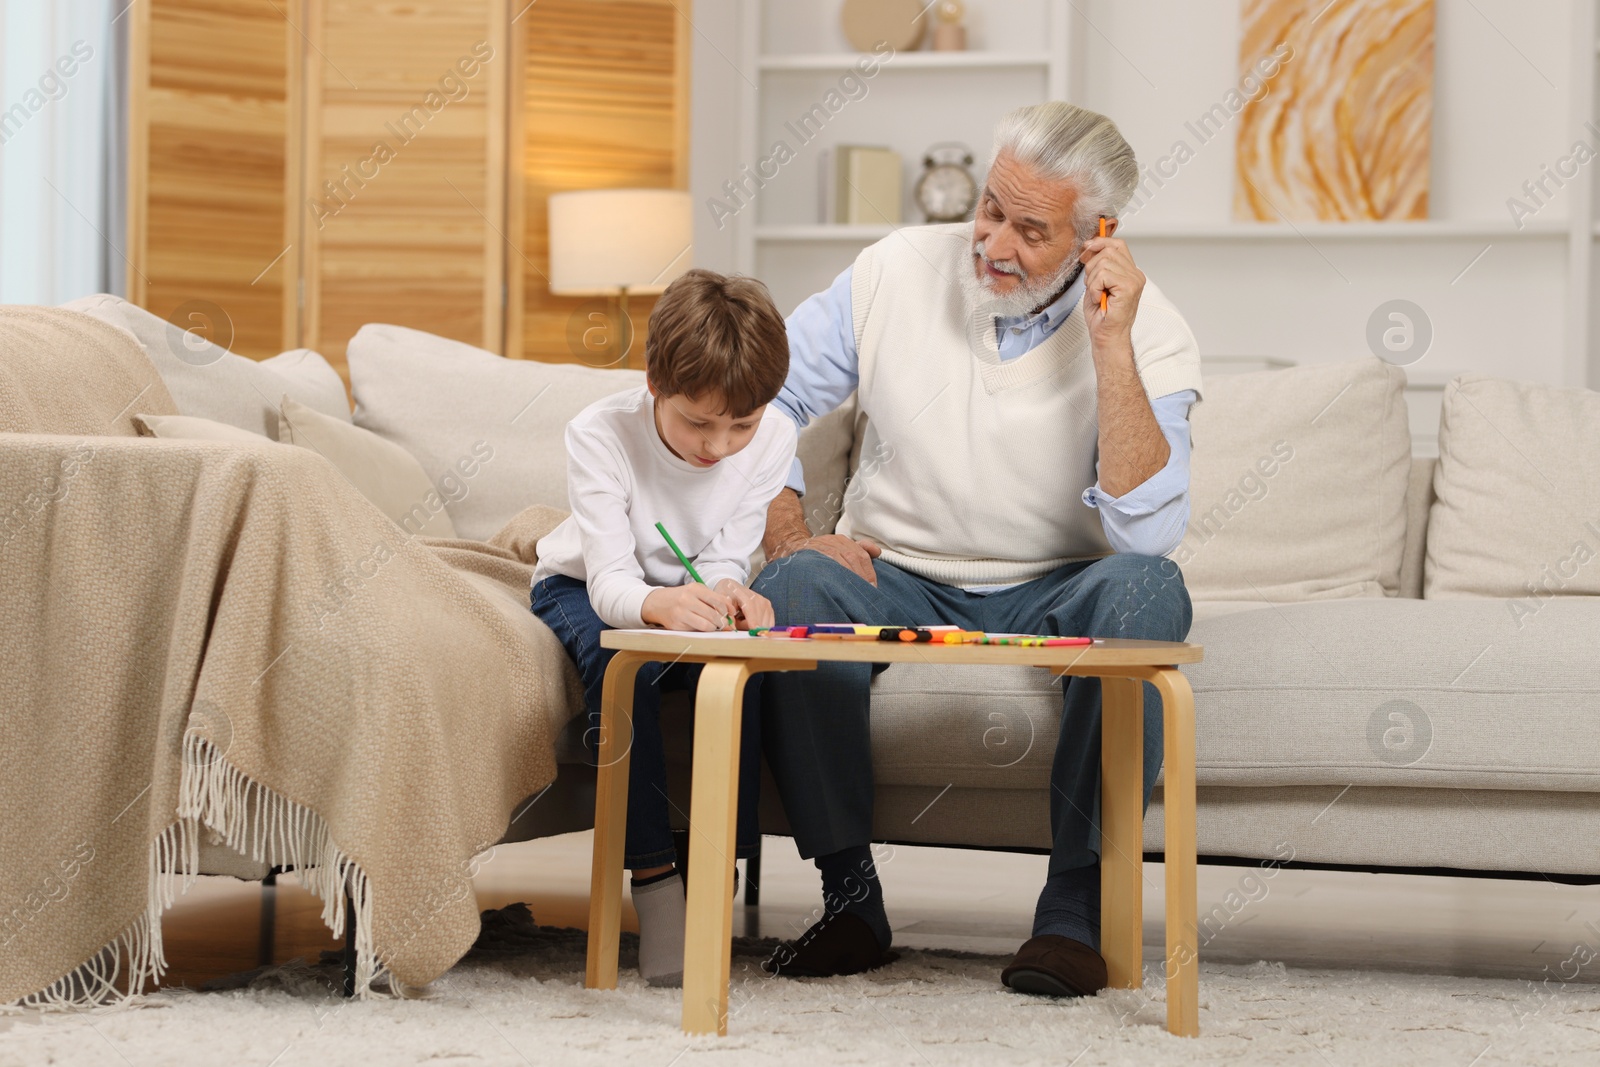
pixel 1408 705
pixel 1371 695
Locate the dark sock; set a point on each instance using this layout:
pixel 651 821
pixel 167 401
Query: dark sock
pixel 1069 906
pixel 850 883
pixel 640 883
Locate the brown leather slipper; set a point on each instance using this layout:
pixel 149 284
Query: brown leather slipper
pixel 1054 966
pixel 835 944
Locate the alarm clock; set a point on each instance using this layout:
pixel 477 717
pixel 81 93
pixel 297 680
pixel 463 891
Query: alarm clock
pixel 947 191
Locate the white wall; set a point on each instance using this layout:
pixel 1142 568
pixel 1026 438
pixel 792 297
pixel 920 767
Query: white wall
pixel 1508 100
pixel 1497 120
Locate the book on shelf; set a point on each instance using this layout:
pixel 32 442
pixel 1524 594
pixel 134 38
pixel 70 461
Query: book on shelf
pixel 860 184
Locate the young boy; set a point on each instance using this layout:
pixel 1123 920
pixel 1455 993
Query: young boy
pixel 698 450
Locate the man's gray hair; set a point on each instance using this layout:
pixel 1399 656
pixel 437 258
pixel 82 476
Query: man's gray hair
pixel 1075 145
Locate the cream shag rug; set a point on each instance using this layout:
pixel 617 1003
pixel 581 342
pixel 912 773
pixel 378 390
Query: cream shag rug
pixel 519 999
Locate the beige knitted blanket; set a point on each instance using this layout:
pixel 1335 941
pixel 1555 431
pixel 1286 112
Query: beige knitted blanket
pixel 200 639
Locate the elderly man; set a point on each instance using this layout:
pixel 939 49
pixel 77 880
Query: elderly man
pixel 1034 467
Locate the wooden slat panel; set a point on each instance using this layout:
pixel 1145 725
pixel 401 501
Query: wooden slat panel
pixel 405 197
pixel 207 182
pixel 604 106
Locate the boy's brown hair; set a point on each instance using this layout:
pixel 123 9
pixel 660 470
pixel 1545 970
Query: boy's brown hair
pixel 717 334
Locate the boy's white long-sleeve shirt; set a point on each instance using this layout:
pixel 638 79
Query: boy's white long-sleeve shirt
pixel 622 480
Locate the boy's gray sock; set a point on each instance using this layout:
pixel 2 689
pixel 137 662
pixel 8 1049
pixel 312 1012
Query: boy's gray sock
pixel 660 904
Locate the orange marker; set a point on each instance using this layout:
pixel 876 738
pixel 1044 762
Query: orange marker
pixel 1102 292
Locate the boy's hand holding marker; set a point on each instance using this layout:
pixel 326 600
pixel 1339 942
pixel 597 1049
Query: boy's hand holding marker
pixel 696 607
pixel 687 607
pixel 734 603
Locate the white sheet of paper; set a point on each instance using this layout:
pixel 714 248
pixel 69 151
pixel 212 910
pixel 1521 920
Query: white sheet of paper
pixel 693 633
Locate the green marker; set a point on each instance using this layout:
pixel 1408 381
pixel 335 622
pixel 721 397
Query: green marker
pixel 676 551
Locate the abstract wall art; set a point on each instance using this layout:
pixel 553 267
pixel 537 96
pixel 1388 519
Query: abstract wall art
pixel 1343 132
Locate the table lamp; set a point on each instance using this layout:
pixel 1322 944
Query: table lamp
pixel 616 242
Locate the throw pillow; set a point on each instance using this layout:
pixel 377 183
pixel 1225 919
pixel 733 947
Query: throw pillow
pixel 458 408
pixel 1517 494
pixel 1298 484
pixel 209 382
pixel 489 430
pixel 380 470
pixel 189 428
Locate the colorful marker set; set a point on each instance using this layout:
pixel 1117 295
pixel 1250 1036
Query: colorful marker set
pixel 948 635
pixel 847 632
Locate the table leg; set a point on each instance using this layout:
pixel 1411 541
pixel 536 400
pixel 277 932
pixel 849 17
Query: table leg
pixel 713 810
pixel 1183 952
pixel 610 819
pixel 1122 830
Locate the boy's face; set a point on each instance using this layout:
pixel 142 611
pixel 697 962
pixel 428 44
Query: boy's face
pixel 700 430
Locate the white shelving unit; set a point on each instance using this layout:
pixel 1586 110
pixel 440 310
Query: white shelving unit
pixel 765 62
pixel 914 100
pixel 1439 230
pixel 907 61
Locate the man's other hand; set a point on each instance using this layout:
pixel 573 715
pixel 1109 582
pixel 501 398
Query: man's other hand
pixel 787 534
pixel 855 556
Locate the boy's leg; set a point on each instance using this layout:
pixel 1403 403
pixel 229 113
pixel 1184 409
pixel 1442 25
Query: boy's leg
pixel 563 605
pixel 747 836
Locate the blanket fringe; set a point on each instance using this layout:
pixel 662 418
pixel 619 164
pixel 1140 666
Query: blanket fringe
pixel 255 821
pixel 215 796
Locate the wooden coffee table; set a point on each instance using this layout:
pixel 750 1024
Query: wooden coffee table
pixel 730 659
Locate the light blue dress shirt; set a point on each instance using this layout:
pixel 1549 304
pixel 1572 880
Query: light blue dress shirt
pixel 823 371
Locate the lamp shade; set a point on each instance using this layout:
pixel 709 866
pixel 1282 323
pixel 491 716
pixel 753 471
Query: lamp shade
pixel 604 239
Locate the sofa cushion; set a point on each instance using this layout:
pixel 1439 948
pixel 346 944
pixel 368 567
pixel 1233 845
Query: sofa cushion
pixel 380 470
pixel 1419 501
pixel 1517 512
pixel 210 382
pixel 1298 484
pixel 1400 692
pixel 444 401
pixel 189 428
pixel 441 400
pixel 1363 691
pixel 826 451
pixel 1474 830
pixel 62 372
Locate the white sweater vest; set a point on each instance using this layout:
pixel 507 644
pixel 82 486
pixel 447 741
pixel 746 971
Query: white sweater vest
pixel 973 470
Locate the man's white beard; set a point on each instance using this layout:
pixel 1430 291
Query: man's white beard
pixel 1026 295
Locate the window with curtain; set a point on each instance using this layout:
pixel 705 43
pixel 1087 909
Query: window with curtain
pixel 61 221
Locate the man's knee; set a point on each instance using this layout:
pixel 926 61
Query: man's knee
pixel 1144 595
pixel 805 571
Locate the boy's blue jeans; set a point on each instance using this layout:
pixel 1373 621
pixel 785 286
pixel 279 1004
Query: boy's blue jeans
pixel 562 604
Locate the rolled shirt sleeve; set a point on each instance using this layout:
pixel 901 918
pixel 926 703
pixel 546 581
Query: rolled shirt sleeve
pixel 823 362
pixel 1151 517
